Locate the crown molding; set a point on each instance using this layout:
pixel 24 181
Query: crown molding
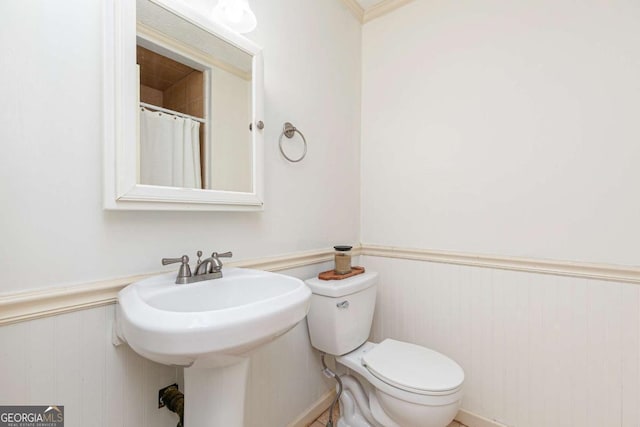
pixel 383 8
pixel 355 8
pixel 380 9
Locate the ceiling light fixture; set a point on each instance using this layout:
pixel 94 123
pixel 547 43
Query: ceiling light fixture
pixel 235 14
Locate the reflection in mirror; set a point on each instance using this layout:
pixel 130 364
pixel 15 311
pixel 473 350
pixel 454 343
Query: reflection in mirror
pixel 172 124
pixel 195 94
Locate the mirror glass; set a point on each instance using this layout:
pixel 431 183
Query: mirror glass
pixel 195 105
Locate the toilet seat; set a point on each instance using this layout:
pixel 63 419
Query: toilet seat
pixel 413 368
pixel 354 362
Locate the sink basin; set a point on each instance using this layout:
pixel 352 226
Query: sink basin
pixel 209 322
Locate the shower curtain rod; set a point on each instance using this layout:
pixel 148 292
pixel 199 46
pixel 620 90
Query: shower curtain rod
pixel 173 113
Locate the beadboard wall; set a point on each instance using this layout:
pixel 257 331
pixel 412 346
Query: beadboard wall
pixel 537 350
pixel 69 360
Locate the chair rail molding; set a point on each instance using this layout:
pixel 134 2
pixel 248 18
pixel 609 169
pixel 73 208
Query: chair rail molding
pixel 34 304
pixel 607 272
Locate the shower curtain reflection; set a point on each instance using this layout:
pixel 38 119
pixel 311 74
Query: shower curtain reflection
pixel 169 150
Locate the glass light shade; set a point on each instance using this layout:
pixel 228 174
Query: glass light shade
pixel 235 14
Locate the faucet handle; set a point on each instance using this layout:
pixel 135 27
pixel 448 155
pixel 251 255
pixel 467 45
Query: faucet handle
pixel 222 255
pixel 183 259
pixel 184 271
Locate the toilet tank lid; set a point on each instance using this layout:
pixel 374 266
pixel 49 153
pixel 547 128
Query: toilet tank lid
pixel 341 288
pixel 413 368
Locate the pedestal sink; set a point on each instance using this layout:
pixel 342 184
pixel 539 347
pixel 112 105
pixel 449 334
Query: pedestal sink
pixel 209 328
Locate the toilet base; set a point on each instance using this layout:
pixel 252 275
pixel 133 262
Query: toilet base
pixel 354 404
pixel 351 414
pixel 360 406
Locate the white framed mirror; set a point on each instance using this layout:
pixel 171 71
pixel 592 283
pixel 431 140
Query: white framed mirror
pixel 183 111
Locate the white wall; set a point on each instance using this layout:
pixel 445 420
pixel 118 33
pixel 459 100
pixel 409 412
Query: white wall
pixel 497 127
pixel 509 128
pixel 504 127
pixel 53 228
pixel 55 233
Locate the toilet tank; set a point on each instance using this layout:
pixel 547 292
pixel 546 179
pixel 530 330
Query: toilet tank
pixel 341 312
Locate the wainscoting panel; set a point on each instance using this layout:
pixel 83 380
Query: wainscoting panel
pixel 68 359
pixel 537 349
pixel 285 376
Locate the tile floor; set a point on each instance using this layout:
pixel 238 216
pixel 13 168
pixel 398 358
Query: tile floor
pixel 322 419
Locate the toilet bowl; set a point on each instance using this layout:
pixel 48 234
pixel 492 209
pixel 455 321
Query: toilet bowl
pixel 390 384
pixel 412 385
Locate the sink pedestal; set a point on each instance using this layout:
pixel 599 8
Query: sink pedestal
pixel 214 397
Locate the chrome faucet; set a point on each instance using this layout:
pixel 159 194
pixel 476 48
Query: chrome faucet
pixel 211 264
pixel 210 268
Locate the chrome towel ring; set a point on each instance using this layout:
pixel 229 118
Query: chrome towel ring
pixel 289 131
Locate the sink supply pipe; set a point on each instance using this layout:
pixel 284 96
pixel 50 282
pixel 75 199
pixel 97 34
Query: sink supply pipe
pixel 173 399
pixel 330 374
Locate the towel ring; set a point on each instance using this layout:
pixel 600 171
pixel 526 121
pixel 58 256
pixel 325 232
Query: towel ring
pixel 289 131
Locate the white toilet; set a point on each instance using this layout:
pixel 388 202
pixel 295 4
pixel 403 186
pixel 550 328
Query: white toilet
pixel 390 384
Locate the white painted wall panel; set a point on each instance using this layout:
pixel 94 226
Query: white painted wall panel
pixel 70 361
pixel 537 350
pixel 630 312
pixel 41 338
pixel 502 127
pixel 51 132
pixel 285 376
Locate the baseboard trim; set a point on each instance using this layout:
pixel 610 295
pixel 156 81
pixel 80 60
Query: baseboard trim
pixel 472 420
pixel 35 304
pixel 314 411
pixel 607 272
